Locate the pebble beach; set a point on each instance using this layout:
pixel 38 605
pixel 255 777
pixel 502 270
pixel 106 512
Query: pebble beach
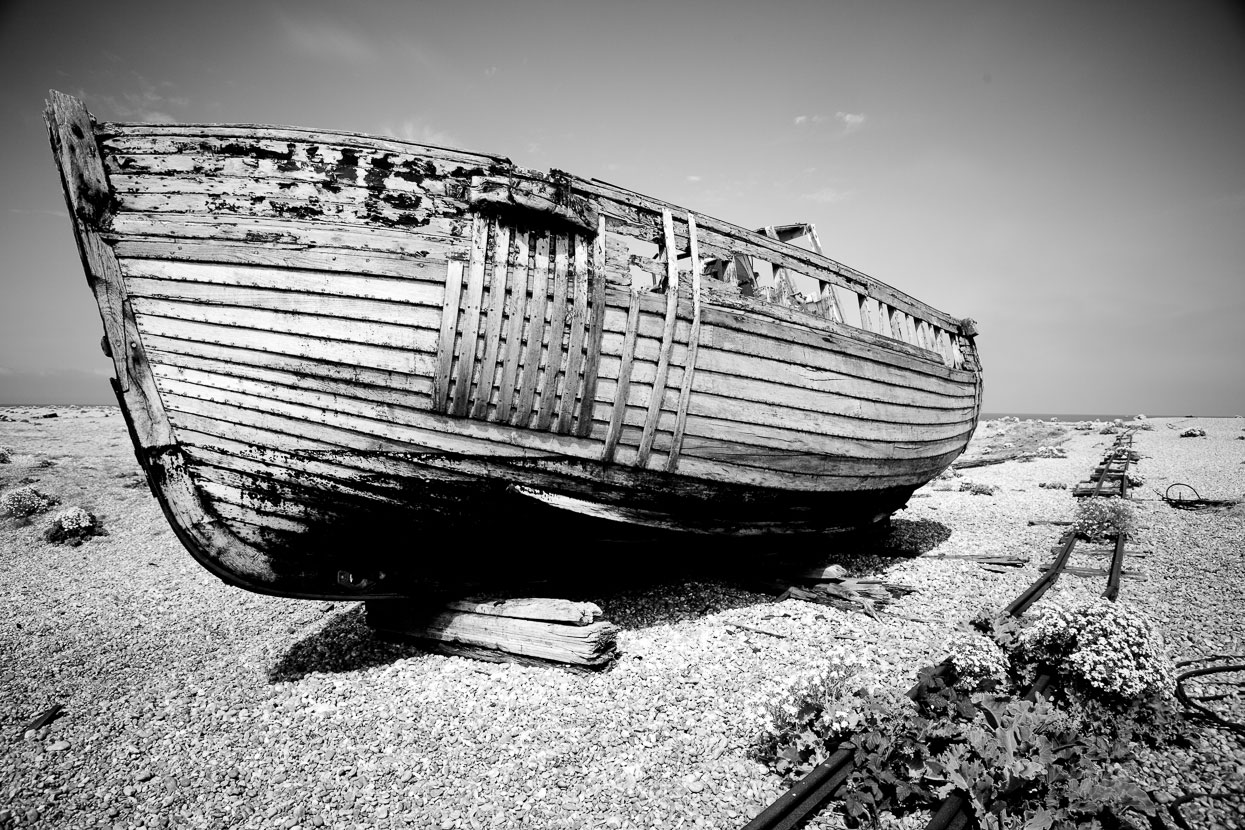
pixel 187 703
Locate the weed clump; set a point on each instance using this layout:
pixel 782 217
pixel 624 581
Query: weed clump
pixel 6 454
pixel 73 527
pixel 23 502
pixel 978 489
pixel 1067 759
pixel 1103 519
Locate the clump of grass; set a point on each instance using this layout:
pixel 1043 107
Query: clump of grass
pixel 6 454
pixel 1053 485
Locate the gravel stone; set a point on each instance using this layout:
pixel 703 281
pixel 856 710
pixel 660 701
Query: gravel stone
pixel 250 711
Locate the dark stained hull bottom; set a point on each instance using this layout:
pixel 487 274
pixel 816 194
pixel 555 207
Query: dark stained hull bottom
pixel 489 534
pixel 502 537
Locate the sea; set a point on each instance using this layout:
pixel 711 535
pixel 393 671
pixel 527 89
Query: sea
pixel 1062 416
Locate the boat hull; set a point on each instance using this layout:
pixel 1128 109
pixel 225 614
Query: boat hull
pixel 327 344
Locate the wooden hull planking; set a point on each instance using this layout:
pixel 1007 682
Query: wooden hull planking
pixel 320 338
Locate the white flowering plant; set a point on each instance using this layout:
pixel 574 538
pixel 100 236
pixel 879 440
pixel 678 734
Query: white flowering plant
pixel 73 526
pixel 978 661
pixel 1103 519
pixel 1106 647
pixel 811 711
pixel 23 502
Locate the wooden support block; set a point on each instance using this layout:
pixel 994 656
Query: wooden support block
pixel 531 608
pixel 495 637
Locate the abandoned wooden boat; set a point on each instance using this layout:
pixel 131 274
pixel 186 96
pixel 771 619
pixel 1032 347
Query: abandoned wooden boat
pixel 329 347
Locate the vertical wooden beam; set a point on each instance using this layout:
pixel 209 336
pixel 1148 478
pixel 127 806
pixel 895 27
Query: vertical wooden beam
pixel 557 331
pixel 884 320
pixel 449 329
pixel 624 379
pixel 579 324
pixel 866 314
pixel 470 329
pixel 667 341
pixel 492 328
pixel 909 328
pixel 515 308
pixel 896 323
pixel 584 425
pixel 693 343
pixel 535 334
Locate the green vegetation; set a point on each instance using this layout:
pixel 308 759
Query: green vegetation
pixel 1060 761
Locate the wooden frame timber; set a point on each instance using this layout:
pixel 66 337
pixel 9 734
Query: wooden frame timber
pixel 322 340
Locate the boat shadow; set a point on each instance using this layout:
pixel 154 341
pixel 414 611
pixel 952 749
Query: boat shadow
pixel 638 582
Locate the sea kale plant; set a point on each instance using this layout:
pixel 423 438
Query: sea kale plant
pixel 1106 648
pixel 809 708
pixel 1057 761
pixel 1103 519
pixel 23 502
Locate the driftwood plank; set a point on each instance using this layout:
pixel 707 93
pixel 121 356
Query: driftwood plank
pixel 589 644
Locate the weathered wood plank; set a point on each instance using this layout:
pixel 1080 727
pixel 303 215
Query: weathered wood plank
pixel 575 350
pixel 405 390
pixel 254 139
pixel 557 331
pixel 246 362
pixel 386 422
pixel 496 311
pixel 365 212
pixel 693 344
pixel 283 300
pixel 531 608
pixel 575 644
pixel 418 335
pixel 306 346
pixel 255 254
pixel 670 252
pixel 515 309
pixel 536 333
pixel 583 424
pixel 440 239
pixel 447 336
pixel 624 380
pixel 469 326
pixel 214 277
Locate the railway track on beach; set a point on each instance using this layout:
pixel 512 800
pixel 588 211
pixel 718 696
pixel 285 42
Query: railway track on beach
pixel 811 793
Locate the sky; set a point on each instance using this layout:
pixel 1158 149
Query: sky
pixel 1071 175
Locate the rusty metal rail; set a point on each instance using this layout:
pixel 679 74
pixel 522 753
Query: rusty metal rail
pixel 807 796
